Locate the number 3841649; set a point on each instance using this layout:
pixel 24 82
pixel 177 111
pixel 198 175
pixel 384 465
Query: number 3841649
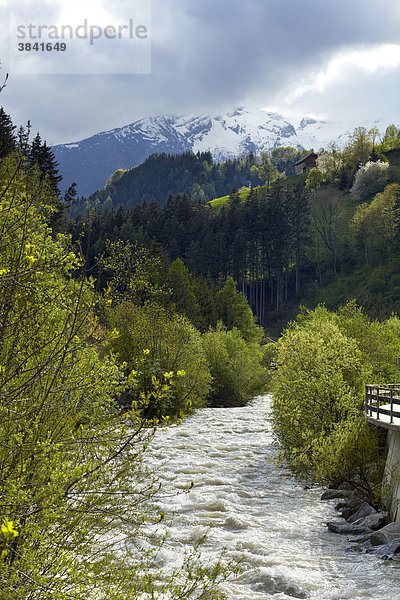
pixel 42 47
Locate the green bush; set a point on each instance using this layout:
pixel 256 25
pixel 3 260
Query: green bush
pixel 162 347
pixel 235 367
pixel 323 361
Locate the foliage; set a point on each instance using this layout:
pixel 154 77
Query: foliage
pixel 267 172
pixel 7 135
pixel 327 216
pixel 7 535
pixel 278 253
pixel 391 138
pixel 260 243
pixel 360 227
pixel 323 361
pixel 194 175
pixel 314 180
pixel 38 155
pixel 377 341
pixel 160 345
pixel 43 157
pixel 235 367
pixel 330 163
pixel 359 147
pixel 377 223
pixel 133 273
pixel 56 408
pixel 116 176
pixel 219 202
pixel 183 292
pixel 284 158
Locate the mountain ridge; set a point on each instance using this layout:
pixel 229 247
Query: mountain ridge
pixel 92 160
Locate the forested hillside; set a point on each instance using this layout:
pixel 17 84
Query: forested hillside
pixel 330 236
pixel 196 175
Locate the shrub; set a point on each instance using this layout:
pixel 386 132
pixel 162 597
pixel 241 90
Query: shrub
pixel 235 367
pixel 159 344
pixel 378 342
pixel 322 365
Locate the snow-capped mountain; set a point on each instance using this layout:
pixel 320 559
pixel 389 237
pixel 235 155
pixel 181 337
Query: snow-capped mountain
pixel 91 161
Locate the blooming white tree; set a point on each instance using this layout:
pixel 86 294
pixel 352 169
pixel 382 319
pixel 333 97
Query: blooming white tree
pixel 370 179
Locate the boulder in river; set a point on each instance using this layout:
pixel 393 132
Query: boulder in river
pixel 386 535
pixel 364 510
pixel 350 506
pixel 361 526
pixel 386 551
pixel 374 521
pixel 348 528
pixel 334 494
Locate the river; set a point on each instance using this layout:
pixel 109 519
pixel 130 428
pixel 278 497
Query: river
pixel 257 511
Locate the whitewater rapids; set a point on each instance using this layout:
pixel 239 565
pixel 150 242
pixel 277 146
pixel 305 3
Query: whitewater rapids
pixel 257 511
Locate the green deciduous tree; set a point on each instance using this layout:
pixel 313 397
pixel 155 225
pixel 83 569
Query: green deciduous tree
pixel 133 273
pixel 360 228
pixel 358 149
pixel 330 163
pixel 284 158
pixel 391 138
pixel 378 221
pixel 326 214
pixel 58 429
pixel 267 172
pixel 183 291
pixel 314 180
pixel 234 311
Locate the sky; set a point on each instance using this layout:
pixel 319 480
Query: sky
pixel 337 60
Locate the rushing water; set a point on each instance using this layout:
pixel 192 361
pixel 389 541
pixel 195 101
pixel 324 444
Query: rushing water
pixel 258 512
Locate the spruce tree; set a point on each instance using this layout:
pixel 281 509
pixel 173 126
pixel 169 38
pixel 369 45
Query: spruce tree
pixel 49 166
pixel 7 135
pixel 22 142
pixel 43 156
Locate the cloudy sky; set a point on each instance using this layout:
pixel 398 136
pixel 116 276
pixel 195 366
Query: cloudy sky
pixel 333 59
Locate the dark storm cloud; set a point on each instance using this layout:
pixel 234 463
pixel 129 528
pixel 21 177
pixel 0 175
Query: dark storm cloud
pixel 229 45
pixel 206 55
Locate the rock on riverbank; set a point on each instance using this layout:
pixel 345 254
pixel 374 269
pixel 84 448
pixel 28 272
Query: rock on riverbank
pixel 370 528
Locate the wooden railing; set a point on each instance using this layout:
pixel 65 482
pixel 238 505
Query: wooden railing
pixel 382 402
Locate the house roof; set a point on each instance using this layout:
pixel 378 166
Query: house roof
pixel 305 157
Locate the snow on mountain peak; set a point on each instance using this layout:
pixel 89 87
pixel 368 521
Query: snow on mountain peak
pixel 91 161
